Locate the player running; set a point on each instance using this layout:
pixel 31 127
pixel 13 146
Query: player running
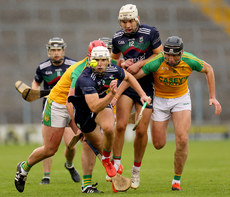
pixel 92 102
pixel 171 70
pixel 55 119
pixel 49 72
pixel 137 43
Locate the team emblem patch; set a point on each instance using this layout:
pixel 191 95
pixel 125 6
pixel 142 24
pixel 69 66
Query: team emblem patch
pixel 141 39
pixel 46 118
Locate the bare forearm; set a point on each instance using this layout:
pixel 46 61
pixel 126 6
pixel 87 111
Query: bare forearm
pixel 211 83
pixel 35 85
pixel 97 105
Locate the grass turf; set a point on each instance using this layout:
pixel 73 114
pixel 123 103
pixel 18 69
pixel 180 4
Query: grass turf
pixel 206 173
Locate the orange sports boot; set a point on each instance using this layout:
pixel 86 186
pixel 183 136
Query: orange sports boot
pixel 110 169
pixel 176 187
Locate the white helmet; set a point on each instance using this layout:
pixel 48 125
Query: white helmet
pixel 56 43
pixel 100 52
pixel 128 12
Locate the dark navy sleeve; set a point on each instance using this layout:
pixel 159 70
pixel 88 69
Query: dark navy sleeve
pixel 120 72
pixel 38 75
pixel 155 38
pixel 115 49
pixel 86 85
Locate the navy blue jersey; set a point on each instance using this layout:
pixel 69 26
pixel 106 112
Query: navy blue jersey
pixel 49 74
pixel 88 83
pixel 137 46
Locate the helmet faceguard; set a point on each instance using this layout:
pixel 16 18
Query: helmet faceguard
pixel 56 43
pixel 107 41
pixel 100 52
pixel 173 46
pixel 128 12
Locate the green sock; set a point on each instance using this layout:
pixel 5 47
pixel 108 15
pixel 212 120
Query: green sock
pixel 87 180
pixel 177 177
pixel 26 167
pixel 46 175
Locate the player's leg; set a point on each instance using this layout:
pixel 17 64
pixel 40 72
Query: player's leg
pixel 159 122
pixel 140 143
pixel 88 160
pixel 182 124
pixel 46 164
pixel 69 155
pixel 159 133
pixel 105 119
pixel 124 107
pixel 51 140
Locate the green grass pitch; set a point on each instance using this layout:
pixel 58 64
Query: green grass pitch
pixel 206 173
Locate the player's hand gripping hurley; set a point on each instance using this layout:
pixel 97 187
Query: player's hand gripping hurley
pixel 139 117
pixel 28 93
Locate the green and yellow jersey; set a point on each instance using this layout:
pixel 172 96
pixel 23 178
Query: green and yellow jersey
pixel 172 81
pixel 60 91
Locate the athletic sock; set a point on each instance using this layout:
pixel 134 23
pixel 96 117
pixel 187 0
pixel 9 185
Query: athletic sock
pixel 87 181
pixel 69 164
pixel 117 162
pixel 106 154
pixel 136 166
pixel 176 178
pixel 46 175
pixel 25 168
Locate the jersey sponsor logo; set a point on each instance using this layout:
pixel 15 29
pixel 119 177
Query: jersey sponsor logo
pixel 142 57
pixel 173 81
pixel 164 68
pixel 48 72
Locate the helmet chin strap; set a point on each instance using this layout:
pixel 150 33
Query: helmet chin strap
pixel 99 74
pixel 57 61
pixel 133 32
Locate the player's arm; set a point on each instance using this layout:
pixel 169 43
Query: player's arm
pixel 69 105
pixel 36 85
pixel 116 57
pixel 133 69
pixel 97 104
pixel 124 85
pixel 208 70
pixel 136 86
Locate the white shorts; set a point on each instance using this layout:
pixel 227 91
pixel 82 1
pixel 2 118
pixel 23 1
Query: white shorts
pixel 163 107
pixel 55 115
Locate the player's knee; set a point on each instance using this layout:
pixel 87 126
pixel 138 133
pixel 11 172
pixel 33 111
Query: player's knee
pixel 50 151
pixel 182 141
pixel 121 127
pixel 158 144
pixel 108 132
pixel 141 133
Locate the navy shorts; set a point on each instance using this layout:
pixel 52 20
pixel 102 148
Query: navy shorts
pixel 84 118
pixel 130 92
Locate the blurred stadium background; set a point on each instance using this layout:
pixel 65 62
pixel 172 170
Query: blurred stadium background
pixel 26 27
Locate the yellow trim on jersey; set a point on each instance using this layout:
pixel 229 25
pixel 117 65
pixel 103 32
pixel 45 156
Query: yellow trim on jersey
pixel 60 91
